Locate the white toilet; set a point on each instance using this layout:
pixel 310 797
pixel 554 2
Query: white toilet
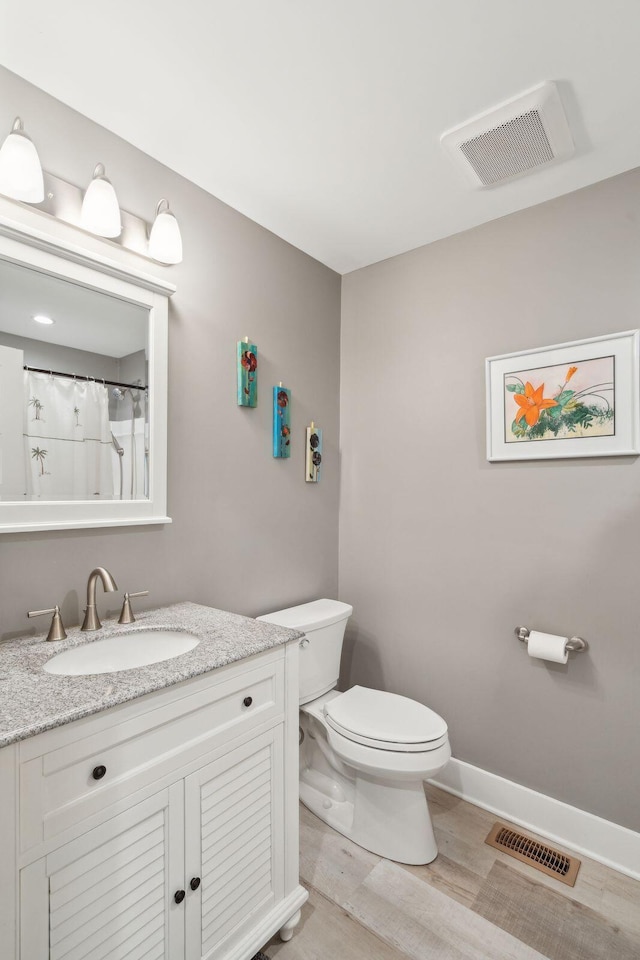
pixel 365 753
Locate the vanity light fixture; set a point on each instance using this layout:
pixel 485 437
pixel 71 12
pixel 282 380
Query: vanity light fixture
pixel 165 240
pixel 20 170
pixel 100 211
pixel 95 210
pixel 42 318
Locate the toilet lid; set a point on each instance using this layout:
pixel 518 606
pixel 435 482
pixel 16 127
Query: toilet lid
pixel 385 720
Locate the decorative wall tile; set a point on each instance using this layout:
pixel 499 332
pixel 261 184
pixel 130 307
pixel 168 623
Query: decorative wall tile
pixel 247 374
pixel 281 422
pixel 313 458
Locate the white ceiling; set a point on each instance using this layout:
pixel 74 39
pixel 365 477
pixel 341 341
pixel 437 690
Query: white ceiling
pixel 321 120
pixel 84 319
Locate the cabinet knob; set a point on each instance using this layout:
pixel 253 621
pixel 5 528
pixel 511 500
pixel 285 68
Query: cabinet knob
pixel 179 896
pixel 98 772
pixel 248 701
pixel 195 883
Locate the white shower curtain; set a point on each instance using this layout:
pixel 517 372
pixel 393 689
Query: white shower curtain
pixel 67 438
pixel 132 439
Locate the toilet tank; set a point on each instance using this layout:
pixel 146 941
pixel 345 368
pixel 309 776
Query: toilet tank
pixel 323 622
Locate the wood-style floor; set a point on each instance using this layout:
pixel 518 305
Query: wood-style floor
pixel 472 903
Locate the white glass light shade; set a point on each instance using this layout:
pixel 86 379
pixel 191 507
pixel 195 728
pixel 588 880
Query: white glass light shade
pixel 165 240
pixel 20 169
pixel 100 211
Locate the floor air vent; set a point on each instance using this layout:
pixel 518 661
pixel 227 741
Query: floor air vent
pixel 536 854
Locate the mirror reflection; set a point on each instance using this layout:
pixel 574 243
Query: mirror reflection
pixel 74 398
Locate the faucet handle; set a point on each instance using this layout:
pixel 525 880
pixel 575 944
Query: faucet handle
pixel 56 630
pixel 126 614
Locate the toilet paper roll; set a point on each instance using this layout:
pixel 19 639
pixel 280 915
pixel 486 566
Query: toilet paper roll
pixel 547 646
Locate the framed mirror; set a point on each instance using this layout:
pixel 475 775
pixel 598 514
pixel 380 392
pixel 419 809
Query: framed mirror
pixel 83 388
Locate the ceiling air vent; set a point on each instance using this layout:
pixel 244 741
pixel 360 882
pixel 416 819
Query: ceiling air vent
pixel 536 854
pixel 518 137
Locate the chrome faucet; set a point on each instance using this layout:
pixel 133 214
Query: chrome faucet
pixel 91 618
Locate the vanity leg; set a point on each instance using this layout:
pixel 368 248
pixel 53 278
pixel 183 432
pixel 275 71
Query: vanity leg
pixel 286 932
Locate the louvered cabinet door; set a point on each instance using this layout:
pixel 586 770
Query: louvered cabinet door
pixel 234 845
pixel 110 893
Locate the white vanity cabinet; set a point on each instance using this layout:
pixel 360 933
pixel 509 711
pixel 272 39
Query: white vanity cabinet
pixel 106 893
pixel 234 842
pixel 166 827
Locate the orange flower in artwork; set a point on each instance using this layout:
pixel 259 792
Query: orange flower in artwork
pixel 531 402
pixel 570 373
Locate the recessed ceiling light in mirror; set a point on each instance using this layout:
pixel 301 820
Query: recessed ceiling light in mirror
pixel 41 318
pixel 85 319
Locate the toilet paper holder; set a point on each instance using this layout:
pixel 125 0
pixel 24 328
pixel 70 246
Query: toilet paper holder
pixel 573 644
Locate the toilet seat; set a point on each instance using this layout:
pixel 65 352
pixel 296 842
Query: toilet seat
pixel 385 721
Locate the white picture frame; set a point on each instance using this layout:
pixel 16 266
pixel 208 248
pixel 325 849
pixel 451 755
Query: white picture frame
pixel 578 399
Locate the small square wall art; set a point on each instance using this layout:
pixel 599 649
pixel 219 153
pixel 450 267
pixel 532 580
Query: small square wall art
pixel 313 457
pixel 247 373
pixel 281 422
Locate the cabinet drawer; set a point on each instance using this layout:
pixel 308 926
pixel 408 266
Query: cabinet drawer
pixel 84 775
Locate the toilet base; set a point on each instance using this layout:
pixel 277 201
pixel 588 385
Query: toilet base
pixel 389 818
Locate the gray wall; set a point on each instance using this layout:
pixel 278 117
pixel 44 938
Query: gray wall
pixel 133 367
pixel 248 533
pixel 442 554
pixel 53 356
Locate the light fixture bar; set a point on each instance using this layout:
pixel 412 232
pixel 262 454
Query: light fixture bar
pixel 63 203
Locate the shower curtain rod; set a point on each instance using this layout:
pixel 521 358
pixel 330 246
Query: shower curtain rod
pixel 79 376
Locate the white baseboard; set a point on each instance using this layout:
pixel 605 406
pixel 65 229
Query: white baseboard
pixel 586 834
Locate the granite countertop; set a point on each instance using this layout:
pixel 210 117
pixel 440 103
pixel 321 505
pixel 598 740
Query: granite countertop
pixel 32 700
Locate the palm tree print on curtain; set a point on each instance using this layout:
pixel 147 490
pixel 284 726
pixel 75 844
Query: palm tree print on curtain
pixel 67 440
pixel 39 455
pixel 247 374
pixel 38 407
pixel 313 459
pixel 281 422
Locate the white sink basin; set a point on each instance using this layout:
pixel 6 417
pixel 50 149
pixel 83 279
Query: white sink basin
pixel 122 652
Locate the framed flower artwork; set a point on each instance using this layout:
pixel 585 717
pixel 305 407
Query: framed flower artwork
pixel 578 399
